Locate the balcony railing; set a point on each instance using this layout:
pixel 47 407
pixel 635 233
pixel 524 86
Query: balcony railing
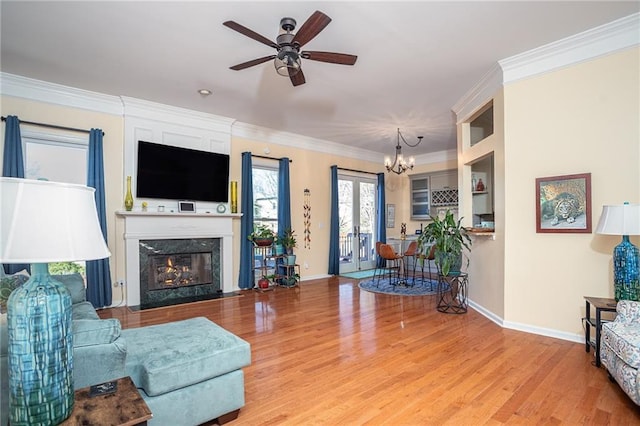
pixel 366 251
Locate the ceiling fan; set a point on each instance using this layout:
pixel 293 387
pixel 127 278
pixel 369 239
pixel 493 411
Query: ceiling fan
pixel 287 59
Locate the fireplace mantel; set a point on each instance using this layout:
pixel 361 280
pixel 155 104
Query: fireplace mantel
pixel 167 225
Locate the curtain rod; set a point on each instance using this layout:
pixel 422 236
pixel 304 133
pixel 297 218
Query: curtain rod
pixel 269 158
pixel 357 171
pixel 52 126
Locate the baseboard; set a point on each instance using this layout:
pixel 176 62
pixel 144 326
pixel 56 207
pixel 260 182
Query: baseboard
pixel 542 331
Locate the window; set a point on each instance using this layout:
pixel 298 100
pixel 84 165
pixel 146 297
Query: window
pixel 57 158
pixel 265 197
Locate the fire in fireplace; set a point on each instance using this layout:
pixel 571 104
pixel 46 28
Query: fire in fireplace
pixel 177 270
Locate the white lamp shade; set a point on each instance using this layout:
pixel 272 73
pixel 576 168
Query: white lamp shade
pixel 623 219
pixel 43 222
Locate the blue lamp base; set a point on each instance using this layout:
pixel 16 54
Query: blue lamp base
pixel 40 351
pixel 625 271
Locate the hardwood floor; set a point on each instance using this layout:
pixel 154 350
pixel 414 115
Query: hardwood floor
pixel 328 353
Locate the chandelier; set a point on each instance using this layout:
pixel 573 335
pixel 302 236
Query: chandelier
pixel 400 165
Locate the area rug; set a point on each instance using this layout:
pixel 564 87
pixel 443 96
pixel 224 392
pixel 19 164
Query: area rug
pixel 422 287
pixel 359 274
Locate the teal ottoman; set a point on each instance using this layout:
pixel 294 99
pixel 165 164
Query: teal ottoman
pixel 189 372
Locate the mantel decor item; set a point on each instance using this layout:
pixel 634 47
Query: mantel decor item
pixel 128 198
pixel 623 220
pixel 44 222
pixel 234 196
pixel 563 204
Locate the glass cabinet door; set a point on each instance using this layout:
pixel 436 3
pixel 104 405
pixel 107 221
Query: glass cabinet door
pixel 420 198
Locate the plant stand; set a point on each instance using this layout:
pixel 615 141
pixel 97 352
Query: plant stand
pixel 452 293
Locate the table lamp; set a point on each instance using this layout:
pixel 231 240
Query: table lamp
pixel 43 222
pixel 623 220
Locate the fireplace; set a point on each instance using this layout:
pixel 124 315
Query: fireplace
pixel 178 270
pixel 176 229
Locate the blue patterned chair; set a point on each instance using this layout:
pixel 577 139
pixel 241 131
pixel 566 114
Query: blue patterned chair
pixel 620 348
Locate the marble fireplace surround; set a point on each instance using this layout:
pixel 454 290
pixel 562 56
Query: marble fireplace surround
pixel 160 226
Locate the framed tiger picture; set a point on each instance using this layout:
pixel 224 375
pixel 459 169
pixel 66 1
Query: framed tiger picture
pixel 563 204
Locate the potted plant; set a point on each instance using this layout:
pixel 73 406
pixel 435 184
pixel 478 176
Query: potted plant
pixel 288 240
pixel 450 240
pixel 262 235
pixel 291 280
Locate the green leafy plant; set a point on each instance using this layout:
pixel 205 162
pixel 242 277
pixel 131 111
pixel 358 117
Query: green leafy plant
pixel 291 280
pixel 261 235
pixel 450 240
pixel 288 240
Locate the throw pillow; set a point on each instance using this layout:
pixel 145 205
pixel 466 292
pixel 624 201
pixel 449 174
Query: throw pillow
pixel 8 283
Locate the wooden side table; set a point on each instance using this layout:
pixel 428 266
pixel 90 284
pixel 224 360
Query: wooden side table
pixel 602 305
pixel 123 408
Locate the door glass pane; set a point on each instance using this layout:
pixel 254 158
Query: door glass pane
pixel 345 208
pixel 367 220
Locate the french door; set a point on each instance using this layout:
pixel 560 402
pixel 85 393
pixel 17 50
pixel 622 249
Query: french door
pixel 357 209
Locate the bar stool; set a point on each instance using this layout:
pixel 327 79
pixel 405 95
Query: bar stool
pixel 427 258
pixel 410 252
pixel 392 262
pixel 379 262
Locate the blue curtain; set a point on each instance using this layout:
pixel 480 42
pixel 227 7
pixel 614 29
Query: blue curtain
pixel 98 274
pixel 334 228
pixel 284 196
pixel 13 166
pixel 246 277
pixel 381 229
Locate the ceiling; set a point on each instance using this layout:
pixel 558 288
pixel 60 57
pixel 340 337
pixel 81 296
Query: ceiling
pixel 415 59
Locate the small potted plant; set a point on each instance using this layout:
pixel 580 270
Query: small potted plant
pixel 288 240
pixel 261 236
pixel 450 240
pixel 291 280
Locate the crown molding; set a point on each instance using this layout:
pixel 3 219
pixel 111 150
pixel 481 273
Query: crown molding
pixel 479 94
pixel 614 36
pixel 599 41
pixel 437 157
pixel 140 108
pixel 42 91
pixel 264 134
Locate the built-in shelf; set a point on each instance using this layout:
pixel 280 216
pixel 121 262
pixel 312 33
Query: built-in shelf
pixel 482 232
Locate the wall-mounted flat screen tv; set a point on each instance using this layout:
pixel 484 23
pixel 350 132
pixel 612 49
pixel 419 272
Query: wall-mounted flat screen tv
pixel 174 173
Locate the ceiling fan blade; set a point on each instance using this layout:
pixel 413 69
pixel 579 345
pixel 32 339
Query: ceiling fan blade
pixel 331 57
pixel 249 33
pixel 311 28
pixel 298 78
pixel 252 63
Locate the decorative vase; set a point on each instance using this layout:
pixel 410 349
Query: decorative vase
pixel 234 197
pixel 128 198
pixel 40 351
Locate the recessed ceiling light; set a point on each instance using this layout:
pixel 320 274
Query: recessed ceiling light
pixel 205 92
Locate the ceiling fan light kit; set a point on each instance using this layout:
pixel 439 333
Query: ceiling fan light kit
pixel 287 61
